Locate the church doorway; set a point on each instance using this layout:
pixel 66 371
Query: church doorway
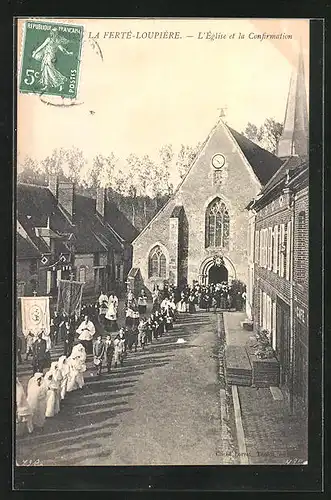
pixel 217 274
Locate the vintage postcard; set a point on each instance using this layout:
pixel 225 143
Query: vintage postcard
pixel 162 242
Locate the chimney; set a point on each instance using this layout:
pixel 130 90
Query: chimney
pixel 100 202
pixel 66 193
pixel 53 184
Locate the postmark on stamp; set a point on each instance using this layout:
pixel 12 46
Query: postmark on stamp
pixel 50 62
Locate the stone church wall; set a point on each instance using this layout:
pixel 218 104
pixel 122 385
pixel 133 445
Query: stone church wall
pixel 236 187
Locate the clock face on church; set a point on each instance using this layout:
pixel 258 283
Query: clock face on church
pixel 218 161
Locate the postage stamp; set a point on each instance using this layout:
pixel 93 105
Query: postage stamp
pixel 50 62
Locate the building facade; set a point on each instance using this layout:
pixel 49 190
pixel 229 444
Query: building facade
pixel 63 235
pixel 200 234
pixel 279 261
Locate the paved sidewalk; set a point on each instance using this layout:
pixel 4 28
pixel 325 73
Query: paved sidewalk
pixel 272 435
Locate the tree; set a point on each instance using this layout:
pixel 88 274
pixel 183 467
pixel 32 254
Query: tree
pixel 75 161
pixel 265 136
pixel 130 182
pixel 166 155
pixel 144 171
pixel 94 173
pixel 53 164
pixel 185 158
pixel 119 185
pixel 107 170
pixel 30 172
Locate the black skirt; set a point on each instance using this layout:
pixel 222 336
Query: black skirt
pixel 142 309
pixel 128 321
pixel 112 325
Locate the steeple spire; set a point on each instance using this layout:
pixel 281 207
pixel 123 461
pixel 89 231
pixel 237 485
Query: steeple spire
pixel 294 139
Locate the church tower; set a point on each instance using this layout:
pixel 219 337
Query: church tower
pixel 295 136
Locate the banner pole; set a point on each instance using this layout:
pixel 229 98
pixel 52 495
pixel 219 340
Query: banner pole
pixel 58 295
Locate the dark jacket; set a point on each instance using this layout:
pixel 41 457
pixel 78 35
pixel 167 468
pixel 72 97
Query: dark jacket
pixel 109 350
pixel 99 349
pixel 39 349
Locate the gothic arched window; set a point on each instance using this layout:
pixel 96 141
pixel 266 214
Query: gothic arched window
pixel 157 263
pixel 217 225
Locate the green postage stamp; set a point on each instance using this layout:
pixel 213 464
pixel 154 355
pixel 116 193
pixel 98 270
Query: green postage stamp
pixel 50 61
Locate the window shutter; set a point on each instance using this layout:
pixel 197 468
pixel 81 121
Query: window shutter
pixel 261 307
pixel 273 326
pixel 282 239
pixel 270 248
pixel 264 314
pixel 257 247
pixel 288 251
pixel 275 263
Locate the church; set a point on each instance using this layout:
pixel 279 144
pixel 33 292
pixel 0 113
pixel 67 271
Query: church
pixel 201 233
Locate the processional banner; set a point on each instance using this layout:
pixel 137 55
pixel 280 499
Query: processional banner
pixel 35 315
pixel 69 297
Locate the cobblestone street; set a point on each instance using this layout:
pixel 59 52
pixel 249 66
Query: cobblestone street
pixel 160 408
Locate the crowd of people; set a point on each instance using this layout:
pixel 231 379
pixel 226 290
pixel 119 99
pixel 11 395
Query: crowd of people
pixel 82 337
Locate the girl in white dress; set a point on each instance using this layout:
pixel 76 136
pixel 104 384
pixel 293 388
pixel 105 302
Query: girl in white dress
pixel 76 374
pixel 52 387
pixel 37 399
pixel 57 378
pixel 23 410
pixel 63 367
pixel 79 350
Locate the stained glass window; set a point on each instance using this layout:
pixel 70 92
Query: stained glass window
pixel 157 263
pixel 217 225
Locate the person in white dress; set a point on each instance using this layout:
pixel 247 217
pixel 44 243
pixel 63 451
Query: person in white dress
pixel 63 367
pixel 111 314
pixel 57 377
pixel 86 331
pixel 52 407
pixel 103 307
pixel 80 351
pixel 76 374
pixel 119 345
pixel 37 399
pixel 23 410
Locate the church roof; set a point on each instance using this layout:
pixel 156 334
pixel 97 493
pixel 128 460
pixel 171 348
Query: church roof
pixel 294 139
pixel 263 163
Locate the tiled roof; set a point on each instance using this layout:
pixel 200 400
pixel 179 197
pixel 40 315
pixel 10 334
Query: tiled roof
pixel 133 272
pixel 264 163
pixel 117 220
pixel 35 204
pixel 25 249
pixel 290 164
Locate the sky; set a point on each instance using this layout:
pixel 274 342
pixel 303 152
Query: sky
pixel 147 93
